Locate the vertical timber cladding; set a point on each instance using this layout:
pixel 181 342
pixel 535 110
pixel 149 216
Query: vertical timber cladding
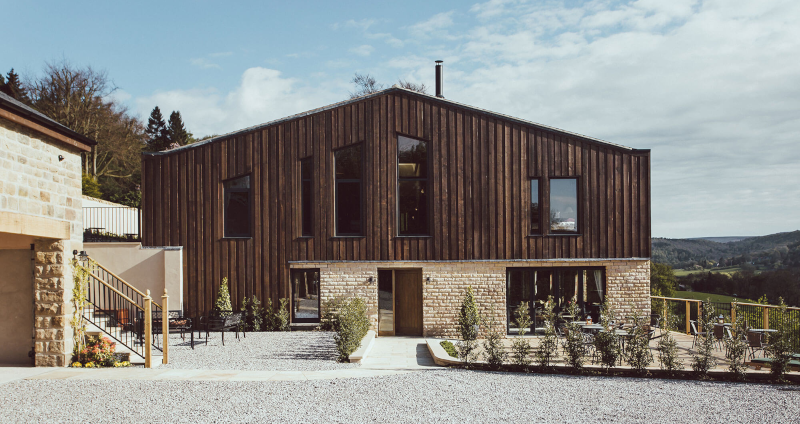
pixel 480 193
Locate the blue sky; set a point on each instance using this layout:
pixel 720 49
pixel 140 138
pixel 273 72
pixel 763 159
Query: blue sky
pixel 710 86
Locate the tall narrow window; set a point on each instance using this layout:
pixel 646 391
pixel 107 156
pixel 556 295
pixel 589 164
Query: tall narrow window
pixel 536 219
pixel 348 191
pixel 305 295
pixel 237 207
pixel 564 205
pixel 306 207
pixel 412 187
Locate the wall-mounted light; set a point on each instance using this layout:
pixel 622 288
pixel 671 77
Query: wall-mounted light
pixel 370 279
pixel 60 158
pixel 428 280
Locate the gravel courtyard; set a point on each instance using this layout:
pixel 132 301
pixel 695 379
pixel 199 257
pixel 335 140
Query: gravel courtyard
pixel 269 351
pixel 445 395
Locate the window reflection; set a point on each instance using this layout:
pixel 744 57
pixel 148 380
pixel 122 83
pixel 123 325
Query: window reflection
pixel 305 295
pixel 412 186
pixel 237 207
pixel 348 190
pixel 564 205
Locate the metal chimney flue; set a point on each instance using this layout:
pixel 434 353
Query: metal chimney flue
pixel 439 78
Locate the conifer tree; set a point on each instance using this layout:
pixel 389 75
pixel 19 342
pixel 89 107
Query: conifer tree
pixel 13 87
pixel 157 138
pixel 176 131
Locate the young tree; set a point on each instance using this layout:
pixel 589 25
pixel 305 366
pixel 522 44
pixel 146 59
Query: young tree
pixel 156 131
pixel 176 132
pixel 662 280
pixel 13 87
pixel 468 323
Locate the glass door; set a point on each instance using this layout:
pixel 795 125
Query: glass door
pixel 385 303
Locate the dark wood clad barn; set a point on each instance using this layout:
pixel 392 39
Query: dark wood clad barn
pixel 482 170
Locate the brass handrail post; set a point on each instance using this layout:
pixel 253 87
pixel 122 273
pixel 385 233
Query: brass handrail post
pixel 165 326
pixel 765 315
pixel 733 312
pixel 148 331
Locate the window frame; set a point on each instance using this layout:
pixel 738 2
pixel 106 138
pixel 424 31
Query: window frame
pixel 306 232
pixel 428 170
pixel 557 290
pixel 360 182
pixel 305 271
pixel 538 182
pixel 249 192
pixel 578 211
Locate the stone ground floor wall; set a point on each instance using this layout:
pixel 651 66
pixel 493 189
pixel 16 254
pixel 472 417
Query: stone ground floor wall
pixel 52 307
pixel 444 283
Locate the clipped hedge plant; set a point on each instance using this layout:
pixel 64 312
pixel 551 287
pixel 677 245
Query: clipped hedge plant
pixel 351 325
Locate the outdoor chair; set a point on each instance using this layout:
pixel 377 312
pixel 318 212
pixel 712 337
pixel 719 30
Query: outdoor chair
pixel 719 337
pixel 696 333
pixel 223 321
pixel 588 346
pixel 754 343
pixel 655 319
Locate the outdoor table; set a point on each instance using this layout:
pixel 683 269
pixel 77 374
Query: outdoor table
pixel 592 327
pixel 763 330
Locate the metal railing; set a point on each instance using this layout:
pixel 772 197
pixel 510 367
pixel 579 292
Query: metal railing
pixel 123 312
pixel 111 224
pixel 756 315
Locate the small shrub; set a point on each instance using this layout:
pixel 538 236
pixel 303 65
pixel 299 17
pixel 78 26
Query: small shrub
pixel 449 347
pixel 494 351
pixel 329 308
pixel 780 347
pixel 282 319
pixel 223 302
pixel 520 346
pixel 547 350
pixel 703 360
pixel 737 345
pixel 667 349
pixel 352 324
pixel 638 352
pixel 468 324
pixel 253 314
pixel 573 342
pixel 606 342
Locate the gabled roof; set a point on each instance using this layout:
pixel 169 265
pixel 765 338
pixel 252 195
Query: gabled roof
pixel 26 112
pixel 397 88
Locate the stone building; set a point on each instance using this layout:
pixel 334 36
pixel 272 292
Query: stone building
pixel 40 225
pixel 406 199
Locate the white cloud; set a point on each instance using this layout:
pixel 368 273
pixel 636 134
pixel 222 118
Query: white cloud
pixel 204 63
pixel 436 24
pixel 362 50
pixel 710 88
pixel 262 95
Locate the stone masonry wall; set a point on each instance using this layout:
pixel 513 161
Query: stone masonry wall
pixel 34 182
pixel 627 286
pixel 53 310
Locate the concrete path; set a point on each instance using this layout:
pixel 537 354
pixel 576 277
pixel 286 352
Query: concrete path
pixel 389 356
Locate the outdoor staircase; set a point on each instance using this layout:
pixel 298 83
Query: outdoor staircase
pixel 117 310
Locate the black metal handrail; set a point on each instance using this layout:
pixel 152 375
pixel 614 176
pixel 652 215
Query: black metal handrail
pixel 117 308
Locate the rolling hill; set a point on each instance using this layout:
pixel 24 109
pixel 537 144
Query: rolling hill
pixel 680 253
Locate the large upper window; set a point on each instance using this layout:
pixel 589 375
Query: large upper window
pixel 305 295
pixel 412 187
pixel 306 207
pixel 237 207
pixel 348 191
pixel 536 219
pixel 564 205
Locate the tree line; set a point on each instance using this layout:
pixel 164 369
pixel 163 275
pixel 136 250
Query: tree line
pixel 81 98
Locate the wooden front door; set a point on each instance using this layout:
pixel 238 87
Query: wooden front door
pixel 408 302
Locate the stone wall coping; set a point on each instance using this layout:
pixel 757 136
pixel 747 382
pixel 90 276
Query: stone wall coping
pixel 471 261
pixel 37 226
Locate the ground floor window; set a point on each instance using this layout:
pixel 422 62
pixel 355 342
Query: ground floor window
pixel 305 295
pixel 534 285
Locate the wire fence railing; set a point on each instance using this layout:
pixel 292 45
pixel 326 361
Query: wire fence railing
pixel 757 316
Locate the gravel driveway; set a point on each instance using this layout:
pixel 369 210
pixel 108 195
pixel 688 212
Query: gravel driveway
pixel 445 395
pixel 269 351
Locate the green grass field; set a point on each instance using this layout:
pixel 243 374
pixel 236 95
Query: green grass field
pixel 714 297
pixel 729 270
